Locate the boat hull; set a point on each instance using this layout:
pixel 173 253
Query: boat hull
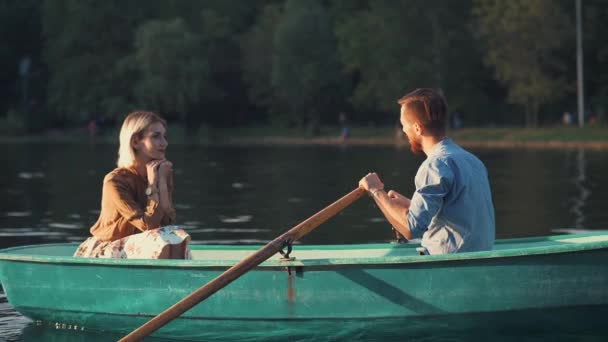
pixel 301 299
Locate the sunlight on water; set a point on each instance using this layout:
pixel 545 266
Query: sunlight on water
pixel 11 323
pixel 580 182
pixel 30 175
pixel 31 234
pixel 241 200
pixel 65 225
pixel 237 219
pixel 76 238
pixel 16 230
pixel 19 213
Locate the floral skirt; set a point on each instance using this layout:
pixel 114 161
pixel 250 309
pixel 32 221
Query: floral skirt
pixel 168 242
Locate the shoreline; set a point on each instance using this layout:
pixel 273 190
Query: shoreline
pixel 595 138
pixel 325 141
pixel 328 141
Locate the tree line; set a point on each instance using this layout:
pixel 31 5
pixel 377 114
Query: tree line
pixel 296 62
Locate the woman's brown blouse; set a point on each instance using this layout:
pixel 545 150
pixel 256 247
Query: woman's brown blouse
pixel 125 208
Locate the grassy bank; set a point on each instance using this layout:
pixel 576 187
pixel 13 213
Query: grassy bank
pixel 592 137
pixel 549 137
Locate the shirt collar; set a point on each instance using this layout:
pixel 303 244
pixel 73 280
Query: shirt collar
pixel 440 146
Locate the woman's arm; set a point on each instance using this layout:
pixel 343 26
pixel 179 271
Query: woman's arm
pixel 118 194
pixel 165 186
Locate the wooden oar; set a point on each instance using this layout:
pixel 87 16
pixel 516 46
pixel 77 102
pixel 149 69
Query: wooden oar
pixel 242 267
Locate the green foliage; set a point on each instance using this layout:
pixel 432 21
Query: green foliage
pixel 86 43
pixel 393 47
pixel 13 123
pixel 258 49
pixel 20 33
pixel 595 29
pixel 232 62
pixel 306 74
pixel 522 38
pixel 172 73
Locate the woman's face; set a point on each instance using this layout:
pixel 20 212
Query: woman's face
pixel 152 145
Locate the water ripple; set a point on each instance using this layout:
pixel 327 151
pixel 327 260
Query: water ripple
pixel 28 233
pixel 584 192
pixel 61 225
pixel 30 175
pixel 11 323
pixel 227 230
pixel 237 219
pixel 19 213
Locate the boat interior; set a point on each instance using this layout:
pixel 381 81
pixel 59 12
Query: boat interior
pixel 228 253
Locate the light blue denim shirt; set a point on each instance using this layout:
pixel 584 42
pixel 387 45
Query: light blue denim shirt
pixel 452 207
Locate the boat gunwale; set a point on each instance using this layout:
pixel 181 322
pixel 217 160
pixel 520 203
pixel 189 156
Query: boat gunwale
pixel 322 262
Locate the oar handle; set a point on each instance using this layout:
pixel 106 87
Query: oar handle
pixel 242 267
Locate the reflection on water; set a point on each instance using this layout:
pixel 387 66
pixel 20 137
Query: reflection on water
pixel 584 193
pixel 30 175
pixel 18 213
pixel 256 193
pixel 250 195
pixel 573 324
pixel 11 323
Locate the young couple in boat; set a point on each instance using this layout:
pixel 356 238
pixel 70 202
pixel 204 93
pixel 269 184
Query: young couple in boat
pixel 451 209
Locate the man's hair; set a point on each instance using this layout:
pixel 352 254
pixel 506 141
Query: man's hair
pixel 134 125
pixel 427 107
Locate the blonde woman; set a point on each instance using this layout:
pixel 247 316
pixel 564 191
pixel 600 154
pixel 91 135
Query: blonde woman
pixel 136 203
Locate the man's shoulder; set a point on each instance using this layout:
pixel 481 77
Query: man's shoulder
pixel 439 165
pixel 456 153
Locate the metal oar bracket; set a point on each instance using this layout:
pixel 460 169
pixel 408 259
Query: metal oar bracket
pixel 286 257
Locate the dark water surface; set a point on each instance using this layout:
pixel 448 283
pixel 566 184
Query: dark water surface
pixel 249 195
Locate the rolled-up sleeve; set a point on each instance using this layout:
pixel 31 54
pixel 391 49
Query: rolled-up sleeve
pixel 436 179
pixel 121 197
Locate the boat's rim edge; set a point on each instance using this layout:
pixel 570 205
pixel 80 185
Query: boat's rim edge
pixel 385 260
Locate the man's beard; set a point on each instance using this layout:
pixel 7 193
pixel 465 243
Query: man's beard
pixel 415 146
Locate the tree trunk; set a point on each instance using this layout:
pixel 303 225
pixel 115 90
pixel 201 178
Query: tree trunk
pixel 528 115
pixel 535 109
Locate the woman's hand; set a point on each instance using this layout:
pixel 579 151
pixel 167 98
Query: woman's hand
pixel 152 171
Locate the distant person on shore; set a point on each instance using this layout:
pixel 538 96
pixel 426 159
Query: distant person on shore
pixel 451 209
pixel 344 129
pixel 567 119
pixel 92 127
pixel 456 120
pixel 136 202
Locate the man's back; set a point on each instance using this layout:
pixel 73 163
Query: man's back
pixel 452 207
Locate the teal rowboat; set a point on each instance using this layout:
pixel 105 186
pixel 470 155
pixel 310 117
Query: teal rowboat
pixel 323 288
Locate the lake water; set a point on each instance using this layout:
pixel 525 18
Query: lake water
pixel 249 195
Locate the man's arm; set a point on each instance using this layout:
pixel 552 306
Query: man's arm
pixel 393 206
pixel 394 211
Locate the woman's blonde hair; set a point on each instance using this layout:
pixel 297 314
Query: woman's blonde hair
pixel 134 125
